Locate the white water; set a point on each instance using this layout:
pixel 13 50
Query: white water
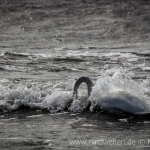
pixel 56 97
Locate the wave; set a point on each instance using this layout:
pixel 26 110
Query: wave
pixel 58 97
pixel 34 96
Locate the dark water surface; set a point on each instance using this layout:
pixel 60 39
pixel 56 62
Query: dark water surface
pixel 46 45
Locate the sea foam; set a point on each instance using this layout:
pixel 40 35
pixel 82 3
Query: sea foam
pixel 58 97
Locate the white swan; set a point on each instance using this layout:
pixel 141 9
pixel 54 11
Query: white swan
pixel 121 100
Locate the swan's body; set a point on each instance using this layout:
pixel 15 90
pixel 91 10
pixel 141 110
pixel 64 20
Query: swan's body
pixel 121 100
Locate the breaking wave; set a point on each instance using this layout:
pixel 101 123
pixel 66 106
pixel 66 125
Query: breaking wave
pixel 58 97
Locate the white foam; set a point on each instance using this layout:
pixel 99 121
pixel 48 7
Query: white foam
pixel 88 125
pixel 35 96
pixel 2 54
pixel 58 100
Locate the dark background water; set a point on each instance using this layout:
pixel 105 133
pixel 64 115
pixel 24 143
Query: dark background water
pixel 59 27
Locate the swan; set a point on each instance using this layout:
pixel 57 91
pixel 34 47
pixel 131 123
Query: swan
pixel 119 100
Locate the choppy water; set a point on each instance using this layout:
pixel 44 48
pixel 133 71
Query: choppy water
pixel 46 45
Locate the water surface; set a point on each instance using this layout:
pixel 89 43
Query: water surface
pixel 45 46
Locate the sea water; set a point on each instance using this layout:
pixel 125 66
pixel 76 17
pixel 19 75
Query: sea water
pixel 45 46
